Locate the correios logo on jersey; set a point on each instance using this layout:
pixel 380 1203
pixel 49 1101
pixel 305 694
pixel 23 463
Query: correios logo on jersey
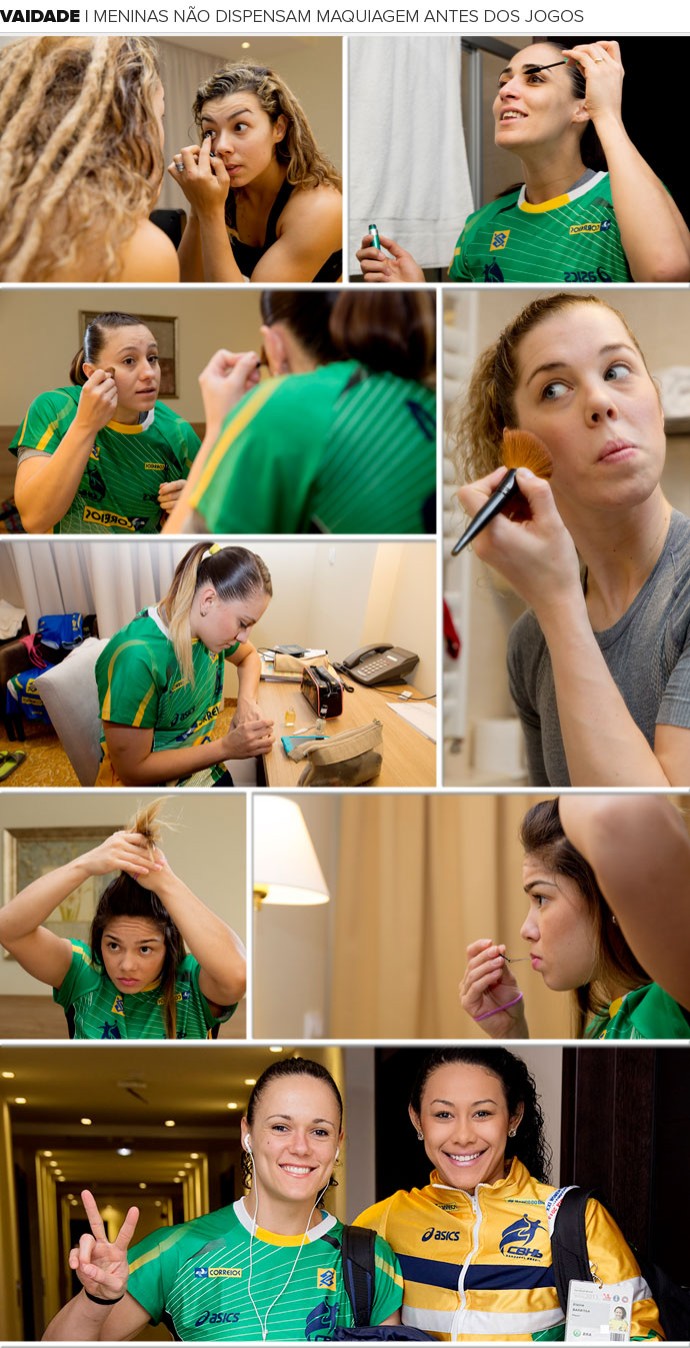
pixel 206 1272
pixel 433 1233
pixel 517 1239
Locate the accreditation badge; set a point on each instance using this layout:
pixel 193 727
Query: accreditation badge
pixel 598 1313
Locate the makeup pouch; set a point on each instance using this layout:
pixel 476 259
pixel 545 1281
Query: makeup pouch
pixel 348 759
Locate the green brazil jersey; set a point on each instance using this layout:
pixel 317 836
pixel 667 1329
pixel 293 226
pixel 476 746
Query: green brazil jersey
pixel 140 683
pixel 126 468
pixel 201 1279
pixel 98 1011
pixel 341 449
pixel 644 1013
pixel 572 238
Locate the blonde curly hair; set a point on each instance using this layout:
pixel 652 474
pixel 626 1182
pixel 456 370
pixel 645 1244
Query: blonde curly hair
pixel 81 160
pixel 306 165
pixel 476 424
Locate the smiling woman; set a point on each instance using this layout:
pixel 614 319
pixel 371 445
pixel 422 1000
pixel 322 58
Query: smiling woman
pixel 133 978
pixel 598 555
pixel 279 1245
pixel 103 455
pixel 577 216
pixel 461 1239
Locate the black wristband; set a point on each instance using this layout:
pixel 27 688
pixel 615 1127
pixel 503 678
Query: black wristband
pixel 103 1301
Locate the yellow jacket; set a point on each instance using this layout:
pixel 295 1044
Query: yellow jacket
pixel 478 1266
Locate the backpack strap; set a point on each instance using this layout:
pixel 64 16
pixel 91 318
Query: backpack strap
pixel 565 1211
pixel 359 1270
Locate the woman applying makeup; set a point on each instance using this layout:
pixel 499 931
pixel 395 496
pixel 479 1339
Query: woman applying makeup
pixel 103 455
pixel 590 208
pixel 160 679
pixel 266 203
pixel 591 864
pixel 474 1243
pixel 599 667
pixel 273 1262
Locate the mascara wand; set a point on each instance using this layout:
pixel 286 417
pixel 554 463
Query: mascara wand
pixel 521 449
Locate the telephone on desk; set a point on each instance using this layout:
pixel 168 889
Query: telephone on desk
pixel 379 664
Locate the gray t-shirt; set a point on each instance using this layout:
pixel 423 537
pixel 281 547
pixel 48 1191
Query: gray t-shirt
pixel 647 653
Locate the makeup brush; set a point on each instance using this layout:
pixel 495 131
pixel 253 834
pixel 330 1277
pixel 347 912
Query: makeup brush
pixel 520 449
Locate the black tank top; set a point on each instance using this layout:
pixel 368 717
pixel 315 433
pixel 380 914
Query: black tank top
pixel 247 256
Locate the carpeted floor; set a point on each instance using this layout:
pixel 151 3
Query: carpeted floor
pixel 46 762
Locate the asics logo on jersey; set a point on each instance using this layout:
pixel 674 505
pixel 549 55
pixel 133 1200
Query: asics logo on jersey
pixel 218 1318
pixel 432 1233
pixel 516 1238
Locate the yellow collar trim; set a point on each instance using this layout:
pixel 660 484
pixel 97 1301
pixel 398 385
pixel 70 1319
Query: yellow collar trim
pixel 542 206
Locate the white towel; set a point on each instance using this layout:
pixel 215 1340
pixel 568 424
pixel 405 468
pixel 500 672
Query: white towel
pixel 674 387
pixel 11 619
pixel 408 163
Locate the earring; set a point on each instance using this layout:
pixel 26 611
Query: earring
pixel 420 1135
pixel 247 1169
pixel 512 1132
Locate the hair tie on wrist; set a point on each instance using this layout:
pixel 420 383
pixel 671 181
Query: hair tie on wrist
pixel 485 1014
pixel 103 1301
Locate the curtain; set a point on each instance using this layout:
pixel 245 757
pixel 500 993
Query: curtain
pixel 106 577
pixel 408 163
pixel 420 876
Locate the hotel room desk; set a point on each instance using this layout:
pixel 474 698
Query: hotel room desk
pixel 409 758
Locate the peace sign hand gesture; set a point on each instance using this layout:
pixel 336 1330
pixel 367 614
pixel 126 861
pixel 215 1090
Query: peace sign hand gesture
pixel 101 1266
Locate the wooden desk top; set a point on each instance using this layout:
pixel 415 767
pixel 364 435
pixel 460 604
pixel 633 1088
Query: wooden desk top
pixel 409 758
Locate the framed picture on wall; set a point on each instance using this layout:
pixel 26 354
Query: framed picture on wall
pixel 165 332
pixel 29 853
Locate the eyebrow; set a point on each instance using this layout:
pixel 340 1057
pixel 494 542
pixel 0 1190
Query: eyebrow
pixel 289 1118
pixel 145 940
pixel 238 112
pixel 474 1104
pixel 525 70
pixel 565 364
pixel 539 884
pixel 125 350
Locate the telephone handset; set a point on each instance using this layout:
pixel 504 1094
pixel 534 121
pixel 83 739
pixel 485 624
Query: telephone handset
pixel 379 664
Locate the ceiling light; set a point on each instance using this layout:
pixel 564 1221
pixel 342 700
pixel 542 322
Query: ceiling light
pixel 250 1081
pixel 86 1122
pixel 8 1076
pixel 124 1151
pixel 20 1099
pixel 170 1123
pixel 142 1185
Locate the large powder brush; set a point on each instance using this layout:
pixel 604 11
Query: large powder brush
pixel 520 449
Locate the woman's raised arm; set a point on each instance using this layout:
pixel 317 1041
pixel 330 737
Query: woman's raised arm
pixel 639 849
pixel 655 238
pixel 40 952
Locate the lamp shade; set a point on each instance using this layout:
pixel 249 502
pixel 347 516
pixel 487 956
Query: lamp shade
pixel 286 867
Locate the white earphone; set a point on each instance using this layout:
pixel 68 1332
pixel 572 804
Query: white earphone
pixel 337 1153
pixel 248 1144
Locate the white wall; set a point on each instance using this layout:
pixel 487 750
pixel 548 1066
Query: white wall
pixel 206 847
pixel 292 945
